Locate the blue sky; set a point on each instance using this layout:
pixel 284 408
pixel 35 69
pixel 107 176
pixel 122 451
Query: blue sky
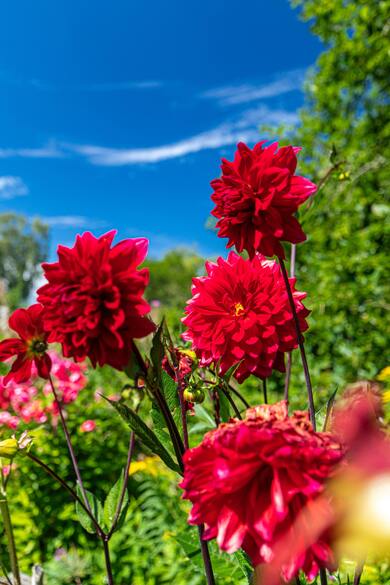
pixel 116 114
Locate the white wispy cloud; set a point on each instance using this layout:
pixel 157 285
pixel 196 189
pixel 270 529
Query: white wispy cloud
pixel 96 87
pixel 11 187
pixel 240 94
pixel 244 127
pixel 73 221
pixel 50 150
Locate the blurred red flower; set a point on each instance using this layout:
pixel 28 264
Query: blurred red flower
pixel 93 300
pixel 240 314
pixel 29 348
pixel 257 196
pixel 250 480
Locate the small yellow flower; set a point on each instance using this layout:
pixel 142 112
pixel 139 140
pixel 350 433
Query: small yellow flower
pixel 384 375
pixel 386 396
pixel 149 465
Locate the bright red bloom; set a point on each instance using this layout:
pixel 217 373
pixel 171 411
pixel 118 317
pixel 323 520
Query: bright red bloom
pixel 250 480
pixel 93 300
pixel 30 347
pixel 256 199
pixel 240 314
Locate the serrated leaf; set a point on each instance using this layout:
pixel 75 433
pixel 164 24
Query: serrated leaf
pixel 232 568
pixel 144 433
pixel 96 509
pixel 111 504
pixel 171 395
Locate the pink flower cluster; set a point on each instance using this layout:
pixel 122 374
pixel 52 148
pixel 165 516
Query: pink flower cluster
pixel 25 403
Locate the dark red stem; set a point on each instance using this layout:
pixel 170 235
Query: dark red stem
pixel 300 343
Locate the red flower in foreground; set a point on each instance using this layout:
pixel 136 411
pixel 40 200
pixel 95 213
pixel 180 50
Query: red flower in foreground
pixel 240 314
pixel 250 480
pixel 93 300
pixel 30 347
pixel 257 196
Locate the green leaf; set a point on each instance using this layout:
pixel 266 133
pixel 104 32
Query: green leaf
pixel 329 407
pixel 204 416
pixel 234 568
pixel 171 395
pixel 224 406
pixel 144 433
pixel 157 351
pixel 112 502
pixel 96 509
pixel 231 371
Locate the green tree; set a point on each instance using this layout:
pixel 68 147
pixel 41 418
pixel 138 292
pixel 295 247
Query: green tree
pixel 344 264
pixel 23 246
pixel 170 277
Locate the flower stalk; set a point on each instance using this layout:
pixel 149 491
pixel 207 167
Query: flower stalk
pixel 8 529
pixel 300 343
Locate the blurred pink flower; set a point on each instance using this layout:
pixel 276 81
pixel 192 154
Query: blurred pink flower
pixel 87 426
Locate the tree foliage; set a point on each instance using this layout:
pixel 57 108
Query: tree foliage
pixel 344 132
pixel 23 246
pixel 170 277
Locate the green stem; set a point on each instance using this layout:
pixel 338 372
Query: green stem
pixel 10 536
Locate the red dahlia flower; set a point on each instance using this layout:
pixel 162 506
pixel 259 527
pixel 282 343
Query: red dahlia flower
pixel 30 347
pixel 240 314
pixel 257 196
pixel 93 300
pixel 250 480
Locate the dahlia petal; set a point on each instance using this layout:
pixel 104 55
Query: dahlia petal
pixel 20 322
pixel 20 371
pixel 11 347
pixel 43 366
pixel 231 531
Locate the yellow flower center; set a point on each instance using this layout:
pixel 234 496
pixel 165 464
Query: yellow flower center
pixel 238 310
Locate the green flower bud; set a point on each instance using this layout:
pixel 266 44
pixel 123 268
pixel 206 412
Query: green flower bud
pixel 196 395
pixel 9 448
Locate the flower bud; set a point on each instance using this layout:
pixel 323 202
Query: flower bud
pixel 9 448
pixel 196 395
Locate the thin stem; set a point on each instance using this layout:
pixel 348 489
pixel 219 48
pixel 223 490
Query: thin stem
pixel 3 568
pixel 323 577
pixel 100 532
pixel 289 355
pixel 110 578
pixel 265 391
pixel 70 446
pixel 179 450
pixel 217 409
pixel 237 393
pixel 358 573
pixel 8 529
pixel 172 428
pixel 183 409
pixel 233 405
pixel 124 486
pixel 183 417
pixel 206 557
pixel 300 343
pixel 66 486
